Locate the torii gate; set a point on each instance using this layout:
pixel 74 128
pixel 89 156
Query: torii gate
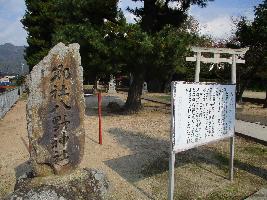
pixel 217 59
pixel 198 58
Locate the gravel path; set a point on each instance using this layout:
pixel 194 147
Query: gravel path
pixel 134 155
pixel 251 94
pixel 123 152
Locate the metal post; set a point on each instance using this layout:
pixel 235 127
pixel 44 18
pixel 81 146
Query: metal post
pixel 232 149
pixel 99 117
pixel 232 139
pixel 172 153
pixel 197 72
pixel 171 175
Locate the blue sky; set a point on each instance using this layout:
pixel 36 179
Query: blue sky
pixel 214 20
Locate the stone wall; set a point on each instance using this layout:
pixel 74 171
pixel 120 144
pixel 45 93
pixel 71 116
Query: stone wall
pixel 7 100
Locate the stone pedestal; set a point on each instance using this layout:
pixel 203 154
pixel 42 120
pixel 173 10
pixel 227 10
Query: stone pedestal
pixel 82 184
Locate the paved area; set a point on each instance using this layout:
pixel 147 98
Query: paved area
pixel 260 195
pixel 252 130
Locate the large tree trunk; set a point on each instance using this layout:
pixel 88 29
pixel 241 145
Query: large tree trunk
pixel 133 102
pixel 167 84
pixel 240 91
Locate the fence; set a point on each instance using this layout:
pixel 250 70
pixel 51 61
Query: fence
pixel 8 99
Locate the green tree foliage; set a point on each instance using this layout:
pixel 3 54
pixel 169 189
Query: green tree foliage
pixel 170 47
pixel 154 16
pixel 39 22
pixel 254 35
pixel 148 56
pixel 155 47
pixel 82 21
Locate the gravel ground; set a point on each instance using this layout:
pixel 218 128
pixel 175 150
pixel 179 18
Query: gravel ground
pixel 252 94
pixel 134 155
pixel 252 113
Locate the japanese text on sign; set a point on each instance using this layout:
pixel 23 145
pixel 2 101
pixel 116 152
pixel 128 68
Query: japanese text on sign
pixel 202 113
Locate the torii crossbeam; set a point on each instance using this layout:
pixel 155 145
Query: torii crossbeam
pixel 216 58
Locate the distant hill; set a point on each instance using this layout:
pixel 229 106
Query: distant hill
pixel 12 59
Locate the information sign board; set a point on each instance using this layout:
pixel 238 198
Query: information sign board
pixel 202 113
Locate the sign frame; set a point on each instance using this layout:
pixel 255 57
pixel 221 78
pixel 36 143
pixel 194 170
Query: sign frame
pixel 199 86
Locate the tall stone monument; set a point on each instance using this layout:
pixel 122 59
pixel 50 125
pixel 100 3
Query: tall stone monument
pixel 55 122
pixel 55 111
pixel 112 85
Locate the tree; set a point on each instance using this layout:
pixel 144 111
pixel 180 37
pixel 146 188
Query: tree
pixel 154 16
pixel 169 49
pixel 132 50
pixel 39 21
pixel 82 21
pixel 254 35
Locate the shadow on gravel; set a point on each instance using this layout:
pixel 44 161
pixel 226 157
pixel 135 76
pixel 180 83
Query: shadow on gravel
pixel 262 120
pixel 150 157
pixel 23 169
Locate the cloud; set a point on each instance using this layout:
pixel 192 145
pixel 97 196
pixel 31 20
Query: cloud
pixel 11 30
pixel 12 9
pixel 220 27
pixel 130 17
pixel 124 4
pixel 215 19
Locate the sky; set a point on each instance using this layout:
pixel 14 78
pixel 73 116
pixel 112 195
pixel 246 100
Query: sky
pixel 214 20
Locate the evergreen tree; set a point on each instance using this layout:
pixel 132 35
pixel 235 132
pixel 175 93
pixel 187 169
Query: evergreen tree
pixel 51 21
pixel 154 16
pixel 253 35
pixel 39 21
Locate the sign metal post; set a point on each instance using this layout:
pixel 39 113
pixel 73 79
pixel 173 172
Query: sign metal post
pixel 172 153
pixel 232 139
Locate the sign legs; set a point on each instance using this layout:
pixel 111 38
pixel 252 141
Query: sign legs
pixel 232 139
pixel 231 163
pixel 171 175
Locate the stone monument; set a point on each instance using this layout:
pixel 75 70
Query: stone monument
pixel 55 112
pixel 144 90
pixel 55 123
pixel 112 85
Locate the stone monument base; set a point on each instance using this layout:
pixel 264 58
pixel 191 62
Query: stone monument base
pixel 87 184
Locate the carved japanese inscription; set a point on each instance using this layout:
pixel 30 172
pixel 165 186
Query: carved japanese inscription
pixel 56 111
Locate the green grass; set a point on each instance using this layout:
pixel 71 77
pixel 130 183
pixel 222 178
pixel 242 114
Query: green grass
pixel 162 97
pixel 255 150
pixel 88 87
pixel 203 172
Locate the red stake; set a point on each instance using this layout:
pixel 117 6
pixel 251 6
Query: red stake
pixel 99 117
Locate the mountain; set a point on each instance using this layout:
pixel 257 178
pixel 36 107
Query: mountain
pixel 12 60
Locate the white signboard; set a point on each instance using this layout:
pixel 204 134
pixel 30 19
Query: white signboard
pixel 202 113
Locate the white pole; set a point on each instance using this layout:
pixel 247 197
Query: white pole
pixel 197 72
pixel 171 175
pixel 232 139
pixel 172 153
